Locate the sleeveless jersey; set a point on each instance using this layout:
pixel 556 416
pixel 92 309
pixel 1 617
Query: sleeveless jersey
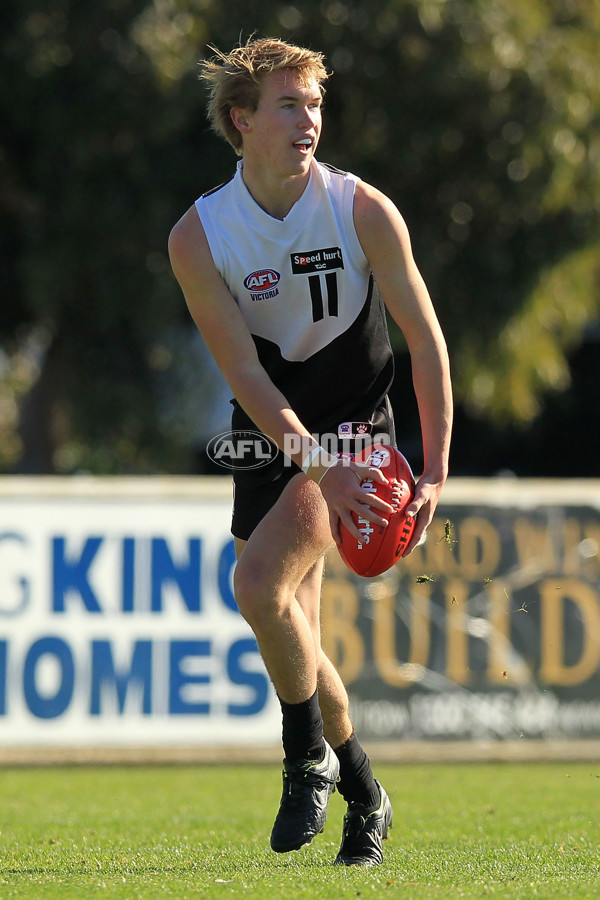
pixel 304 287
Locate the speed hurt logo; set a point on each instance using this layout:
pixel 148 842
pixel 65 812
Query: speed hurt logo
pixel 241 450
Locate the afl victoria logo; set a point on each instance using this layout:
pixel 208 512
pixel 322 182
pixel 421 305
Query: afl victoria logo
pixel 261 280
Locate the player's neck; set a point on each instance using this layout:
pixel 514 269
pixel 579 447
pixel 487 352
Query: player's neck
pixel 274 194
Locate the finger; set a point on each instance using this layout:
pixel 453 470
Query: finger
pixel 376 511
pixel 374 501
pixel 415 539
pixel 351 526
pixel 334 525
pixel 423 521
pixel 370 472
pixel 413 508
pixel 416 504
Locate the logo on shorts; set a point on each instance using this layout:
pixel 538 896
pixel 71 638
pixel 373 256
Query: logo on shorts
pixel 241 449
pixel 262 284
pixel 354 429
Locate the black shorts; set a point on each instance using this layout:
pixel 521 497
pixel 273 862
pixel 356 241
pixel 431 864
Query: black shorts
pixel 256 491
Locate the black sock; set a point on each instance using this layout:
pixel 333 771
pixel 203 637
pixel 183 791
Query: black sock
pixel 356 784
pixel 303 729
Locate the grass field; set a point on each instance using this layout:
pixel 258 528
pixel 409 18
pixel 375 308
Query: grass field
pixel 490 830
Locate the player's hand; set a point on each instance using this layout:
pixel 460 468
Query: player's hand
pixel 423 505
pixel 341 489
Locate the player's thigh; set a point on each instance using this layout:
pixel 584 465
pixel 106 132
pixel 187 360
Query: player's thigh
pixel 288 541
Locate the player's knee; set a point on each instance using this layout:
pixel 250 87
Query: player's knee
pixel 257 599
pixel 246 589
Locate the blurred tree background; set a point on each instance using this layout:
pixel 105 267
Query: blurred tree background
pixel 480 118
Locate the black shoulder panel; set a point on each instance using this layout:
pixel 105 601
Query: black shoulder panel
pixel 217 188
pixel 333 169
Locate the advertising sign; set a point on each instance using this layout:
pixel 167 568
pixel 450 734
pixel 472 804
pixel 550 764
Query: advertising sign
pixel 118 625
pixel 490 630
pixel 117 619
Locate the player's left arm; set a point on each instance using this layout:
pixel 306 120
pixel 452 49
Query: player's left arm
pixel 385 240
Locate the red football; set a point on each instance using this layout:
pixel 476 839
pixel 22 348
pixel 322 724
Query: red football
pixel 382 546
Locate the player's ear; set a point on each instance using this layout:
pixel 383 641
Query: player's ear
pixel 240 119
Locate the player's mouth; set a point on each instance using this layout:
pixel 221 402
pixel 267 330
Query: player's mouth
pixel 304 144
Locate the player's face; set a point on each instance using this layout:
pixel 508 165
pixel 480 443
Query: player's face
pixel 286 126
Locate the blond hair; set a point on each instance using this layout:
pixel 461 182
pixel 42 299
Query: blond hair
pixel 234 79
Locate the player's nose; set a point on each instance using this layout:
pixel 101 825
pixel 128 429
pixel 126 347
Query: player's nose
pixel 305 116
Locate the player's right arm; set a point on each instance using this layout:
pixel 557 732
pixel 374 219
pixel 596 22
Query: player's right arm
pixel 223 328
pixel 228 339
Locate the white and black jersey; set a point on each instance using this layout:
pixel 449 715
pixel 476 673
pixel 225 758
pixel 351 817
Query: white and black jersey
pixel 306 291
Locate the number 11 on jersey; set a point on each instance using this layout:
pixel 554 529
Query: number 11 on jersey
pixel 316 295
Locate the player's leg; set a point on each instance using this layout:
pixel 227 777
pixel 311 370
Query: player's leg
pixel 283 547
pixel 369 811
pixel 271 565
pixel 333 697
